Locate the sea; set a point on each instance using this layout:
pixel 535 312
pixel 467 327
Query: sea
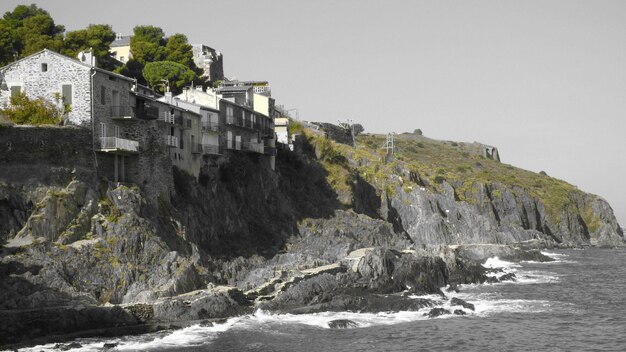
pixel 575 303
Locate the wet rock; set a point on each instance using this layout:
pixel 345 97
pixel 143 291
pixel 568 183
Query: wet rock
pixel 507 277
pixel 435 312
pixel 453 287
pixel 459 302
pixel 108 346
pixel 459 312
pixel 67 347
pixel 342 324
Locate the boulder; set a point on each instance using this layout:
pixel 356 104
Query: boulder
pixel 342 324
pixel 459 302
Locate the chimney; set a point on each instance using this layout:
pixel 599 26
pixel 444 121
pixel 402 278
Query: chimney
pixel 169 98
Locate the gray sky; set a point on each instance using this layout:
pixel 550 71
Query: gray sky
pixel 544 81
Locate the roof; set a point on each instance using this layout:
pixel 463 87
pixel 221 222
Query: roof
pixel 124 41
pixel 233 89
pixel 75 61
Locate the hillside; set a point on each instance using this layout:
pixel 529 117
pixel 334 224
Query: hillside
pixel 332 227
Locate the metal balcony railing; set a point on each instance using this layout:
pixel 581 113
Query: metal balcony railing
pixel 232 120
pixel 211 149
pixel 118 144
pixel 252 147
pixel 209 126
pixel 171 141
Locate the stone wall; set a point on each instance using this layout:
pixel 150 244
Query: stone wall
pixel 45 154
pixel 105 83
pixel 29 74
pixel 151 168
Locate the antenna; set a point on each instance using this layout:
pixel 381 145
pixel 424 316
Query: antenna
pixel 389 144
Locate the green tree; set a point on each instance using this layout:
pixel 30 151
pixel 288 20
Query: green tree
pixel 177 75
pixel 24 110
pixel 148 44
pixel 26 30
pixel 97 37
pixel 178 50
pixel 132 68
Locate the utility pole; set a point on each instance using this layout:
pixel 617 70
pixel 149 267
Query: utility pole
pixel 389 144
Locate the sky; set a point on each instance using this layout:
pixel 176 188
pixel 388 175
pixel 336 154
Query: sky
pixel 544 81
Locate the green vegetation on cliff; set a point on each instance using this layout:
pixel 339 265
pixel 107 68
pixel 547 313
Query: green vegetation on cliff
pixel 422 162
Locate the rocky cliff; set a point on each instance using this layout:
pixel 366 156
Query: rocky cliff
pixel 332 228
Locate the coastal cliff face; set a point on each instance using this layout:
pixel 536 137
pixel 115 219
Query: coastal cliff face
pixel 253 235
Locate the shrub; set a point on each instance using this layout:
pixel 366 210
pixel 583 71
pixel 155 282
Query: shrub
pixel 26 111
pixel 418 132
pixel 543 173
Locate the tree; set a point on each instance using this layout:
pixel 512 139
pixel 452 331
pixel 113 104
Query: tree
pixel 96 37
pixel 26 30
pixel 132 68
pixel 177 75
pixel 38 111
pixel 148 44
pixel 358 129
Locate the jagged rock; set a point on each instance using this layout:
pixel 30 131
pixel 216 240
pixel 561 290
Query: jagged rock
pixel 109 346
pixel 67 347
pixel 459 302
pixel 435 312
pixel 459 312
pixel 507 277
pixel 342 324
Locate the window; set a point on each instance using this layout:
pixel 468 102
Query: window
pixel 44 67
pixel 116 130
pixel 103 129
pixel 103 92
pixel 181 141
pixel 15 90
pixel 66 91
pixel 122 59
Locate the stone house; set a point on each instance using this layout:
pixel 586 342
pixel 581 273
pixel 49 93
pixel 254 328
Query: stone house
pixel 99 99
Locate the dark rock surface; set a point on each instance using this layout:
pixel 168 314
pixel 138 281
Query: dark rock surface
pixel 459 302
pixel 436 312
pixel 342 324
pixel 241 237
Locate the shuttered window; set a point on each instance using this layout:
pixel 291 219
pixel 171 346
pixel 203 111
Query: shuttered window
pixel 15 90
pixel 66 91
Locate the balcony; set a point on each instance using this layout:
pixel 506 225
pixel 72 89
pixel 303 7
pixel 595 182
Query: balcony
pixel 232 120
pixel 209 126
pixel 211 149
pixel 118 145
pixel 145 112
pixel 167 117
pixel 171 141
pixel 121 112
pixel 252 147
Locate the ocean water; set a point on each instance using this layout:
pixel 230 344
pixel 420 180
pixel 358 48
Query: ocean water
pixel 577 303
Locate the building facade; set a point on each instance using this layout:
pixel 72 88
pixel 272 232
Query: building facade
pixel 210 60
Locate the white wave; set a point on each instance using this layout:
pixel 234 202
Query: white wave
pixel 497 263
pixel 194 335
